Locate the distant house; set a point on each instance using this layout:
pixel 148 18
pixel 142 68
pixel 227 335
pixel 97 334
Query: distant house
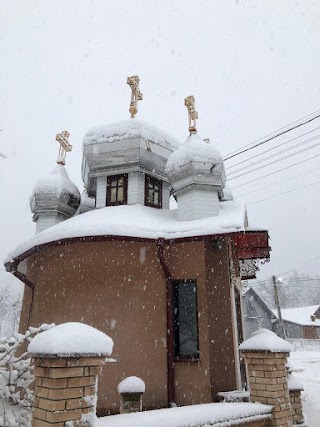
pixel 257 314
pixel 302 322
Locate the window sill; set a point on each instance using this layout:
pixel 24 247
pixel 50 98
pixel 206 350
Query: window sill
pixel 187 360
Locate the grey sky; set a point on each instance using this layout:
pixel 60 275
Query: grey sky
pixel 253 67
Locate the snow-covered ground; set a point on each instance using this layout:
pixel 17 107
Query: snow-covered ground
pixel 307 364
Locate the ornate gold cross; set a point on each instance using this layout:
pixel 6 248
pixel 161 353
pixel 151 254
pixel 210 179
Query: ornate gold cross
pixel 136 95
pixel 192 113
pixel 65 146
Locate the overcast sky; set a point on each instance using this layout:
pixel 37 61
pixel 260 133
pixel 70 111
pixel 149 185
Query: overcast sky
pixel 253 67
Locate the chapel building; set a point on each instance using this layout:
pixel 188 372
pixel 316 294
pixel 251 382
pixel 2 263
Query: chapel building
pixel 164 283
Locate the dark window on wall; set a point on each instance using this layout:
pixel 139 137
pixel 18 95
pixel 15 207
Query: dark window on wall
pixel 117 189
pixel 185 319
pixel 153 192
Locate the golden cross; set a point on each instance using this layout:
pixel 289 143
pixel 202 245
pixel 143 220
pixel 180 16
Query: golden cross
pixel 65 146
pixel 192 113
pixel 136 95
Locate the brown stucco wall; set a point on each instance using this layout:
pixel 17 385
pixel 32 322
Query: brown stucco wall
pixel 221 340
pixel 119 288
pixel 187 261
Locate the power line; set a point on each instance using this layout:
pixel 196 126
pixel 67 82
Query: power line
pixel 272 137
pixel 277 130
pixel 275 161
pixel 289 271
pixel 277 171
pixel 272 148
pixel 285 192
pixel 278 182
pixel 275 154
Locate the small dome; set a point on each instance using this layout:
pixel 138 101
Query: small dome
pixel 193 150
pixel 57 186
pixel 127 129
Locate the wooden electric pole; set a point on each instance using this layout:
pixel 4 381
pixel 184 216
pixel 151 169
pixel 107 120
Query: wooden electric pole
pixel 276 297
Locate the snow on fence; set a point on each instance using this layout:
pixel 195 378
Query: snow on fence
pixel 210 414
pixel 68 359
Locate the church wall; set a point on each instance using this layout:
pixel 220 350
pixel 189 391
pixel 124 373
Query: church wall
pixel 32 268
pixel 136 188
pixel 46 221
pixel 221 340
pixel 119 288
pixel 165 195
pixel 197 203
pixel 101 194
pixel 186 261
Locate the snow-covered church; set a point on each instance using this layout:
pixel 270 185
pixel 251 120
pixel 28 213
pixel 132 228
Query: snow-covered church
pixel 164 283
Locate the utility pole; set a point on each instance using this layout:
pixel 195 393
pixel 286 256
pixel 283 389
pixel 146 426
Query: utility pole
pixel 276 297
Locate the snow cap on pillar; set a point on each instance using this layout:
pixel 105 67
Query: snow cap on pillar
pixel 265 340
pixel 71 339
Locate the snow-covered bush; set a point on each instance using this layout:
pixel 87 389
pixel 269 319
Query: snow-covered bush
pixel 16 378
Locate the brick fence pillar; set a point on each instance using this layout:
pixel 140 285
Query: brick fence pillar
pixel 66 381
pixel 265 355
pixel 66 389
pixel 295 388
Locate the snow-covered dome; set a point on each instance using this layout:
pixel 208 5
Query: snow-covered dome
pixel 197 176
pixel 129 129
pixel 125 147
pixel 87 203
pixel 193 150
pixel 57 183
pixel 54 198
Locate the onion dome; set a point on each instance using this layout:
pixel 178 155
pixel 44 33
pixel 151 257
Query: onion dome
pixel 196 173
pixel 128 146
pixel 194 151
pixel 54 199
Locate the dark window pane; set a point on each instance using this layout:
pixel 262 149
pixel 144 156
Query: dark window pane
pixel 153 192
pixel 186 319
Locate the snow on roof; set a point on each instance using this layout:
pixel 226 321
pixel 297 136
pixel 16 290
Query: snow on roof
pixel 265 340
pixel 131 385
pixel 213 414
pixel 72 339
pixel 57 182
pixel 193 150
pixel 300 315
pixel 132 128
pixel 138 221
